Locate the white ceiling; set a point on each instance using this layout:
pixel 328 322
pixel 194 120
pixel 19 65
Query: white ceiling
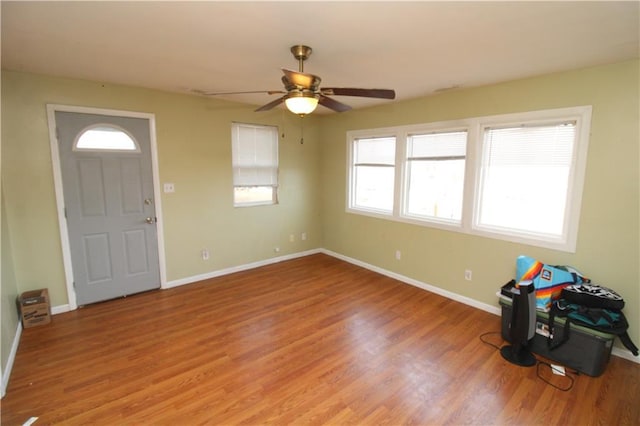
pixel 416 48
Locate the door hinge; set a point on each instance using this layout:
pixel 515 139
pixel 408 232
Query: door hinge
pixel 65 212
pixel 57 133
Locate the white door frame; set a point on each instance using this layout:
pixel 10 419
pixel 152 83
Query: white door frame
pixel 57 180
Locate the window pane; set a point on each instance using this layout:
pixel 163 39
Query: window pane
pixel 435 175
pixel 105 138
pixel 525 178
pixel 374 187
pixel 253 195
pixel 435 189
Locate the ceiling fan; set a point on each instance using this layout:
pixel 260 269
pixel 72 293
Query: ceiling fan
pixel 303 93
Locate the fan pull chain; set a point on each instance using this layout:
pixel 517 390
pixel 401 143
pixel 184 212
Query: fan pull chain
pixel 283 120
pixel 301 130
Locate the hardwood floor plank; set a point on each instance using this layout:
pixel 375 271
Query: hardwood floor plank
pixel 309 341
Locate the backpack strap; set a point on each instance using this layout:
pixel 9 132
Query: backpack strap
pixel 553 342
pixel 626 341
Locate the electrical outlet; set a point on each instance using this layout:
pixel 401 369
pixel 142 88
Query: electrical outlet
pixel 205 254
pixel 303 236
pixel 276 249
pixel 398 255
pixel 468 274
pixel 292 238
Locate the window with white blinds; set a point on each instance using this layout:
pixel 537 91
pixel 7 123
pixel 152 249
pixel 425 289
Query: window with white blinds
pixel 373 173
pixel 435 175
pixel 525 177
pixel 516 177
pixel 255 164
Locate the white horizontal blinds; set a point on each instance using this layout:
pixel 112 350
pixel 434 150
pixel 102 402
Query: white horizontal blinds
pixel 375 152
pixel 255 155
pixel 435 175
pixel 525 177
pixel 373 173
pixel 437 146
pixel 532 145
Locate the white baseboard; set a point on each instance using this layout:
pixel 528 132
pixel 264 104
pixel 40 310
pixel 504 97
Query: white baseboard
pixel 239 268
pixel 619 352
pixel 433 289
pixel 60 309
pixel 6 373
pixel 624 353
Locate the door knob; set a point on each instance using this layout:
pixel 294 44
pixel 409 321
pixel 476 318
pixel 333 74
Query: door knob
pixel 150 220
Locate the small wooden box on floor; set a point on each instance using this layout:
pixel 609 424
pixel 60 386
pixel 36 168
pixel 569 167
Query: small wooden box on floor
pixel 35 308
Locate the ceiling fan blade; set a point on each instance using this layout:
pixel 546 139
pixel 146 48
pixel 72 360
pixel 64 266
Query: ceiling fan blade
pixel 304 80
pixel 333 104
pixel 365 93
pixel 272 104
pixel 268 92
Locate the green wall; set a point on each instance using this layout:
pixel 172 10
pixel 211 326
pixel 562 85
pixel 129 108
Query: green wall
pixel 608 239
pixel 8 295
pixel 194 149
pixel 194 153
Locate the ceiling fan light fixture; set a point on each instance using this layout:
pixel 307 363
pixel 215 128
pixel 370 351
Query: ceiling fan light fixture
pixel 302 92
pixel 301 103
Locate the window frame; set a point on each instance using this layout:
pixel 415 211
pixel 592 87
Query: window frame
pixel 471 191
pixel 274 188
pixel 351 179
pixel 405 186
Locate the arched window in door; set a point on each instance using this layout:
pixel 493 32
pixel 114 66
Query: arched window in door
pixel 105 137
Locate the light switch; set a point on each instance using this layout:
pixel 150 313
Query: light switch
pixel 168 187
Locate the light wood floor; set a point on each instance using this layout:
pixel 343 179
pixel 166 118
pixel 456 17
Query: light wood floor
pixel 312 340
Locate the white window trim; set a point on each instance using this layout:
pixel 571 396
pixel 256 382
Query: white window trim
pixel 474 127
pixel 450 126
pixel 274 188
pixel 364 134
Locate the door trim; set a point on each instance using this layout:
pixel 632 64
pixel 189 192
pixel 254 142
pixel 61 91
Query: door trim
pixel 57 180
